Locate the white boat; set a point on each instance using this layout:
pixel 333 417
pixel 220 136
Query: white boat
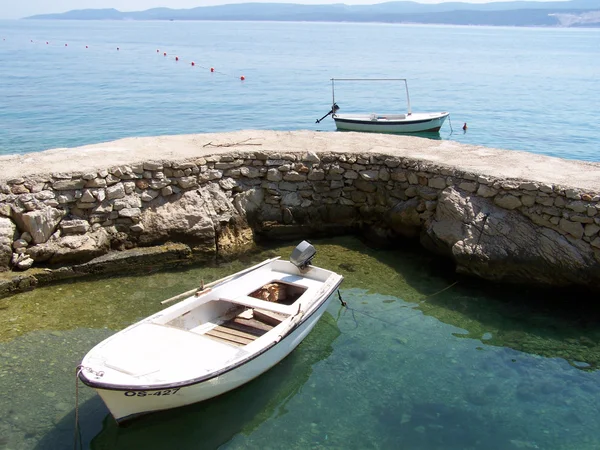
pixel 385 123
pixel 214 340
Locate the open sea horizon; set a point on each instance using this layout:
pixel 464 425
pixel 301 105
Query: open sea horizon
pixel 71 83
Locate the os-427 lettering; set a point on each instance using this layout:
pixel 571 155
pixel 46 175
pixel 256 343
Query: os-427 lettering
pixel 151 393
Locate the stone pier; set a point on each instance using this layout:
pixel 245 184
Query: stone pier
pixel 501 215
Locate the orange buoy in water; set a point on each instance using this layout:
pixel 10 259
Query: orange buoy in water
pixel 242 78
pixel 212 69
pixel 465 127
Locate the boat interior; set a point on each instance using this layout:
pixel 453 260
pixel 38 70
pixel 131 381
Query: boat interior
pixel 242 320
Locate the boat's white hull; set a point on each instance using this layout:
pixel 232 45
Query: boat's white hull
pixel 415 123
pixel 126 404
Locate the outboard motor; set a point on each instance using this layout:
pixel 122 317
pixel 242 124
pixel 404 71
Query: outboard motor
pixel 333 110
pixel 302 255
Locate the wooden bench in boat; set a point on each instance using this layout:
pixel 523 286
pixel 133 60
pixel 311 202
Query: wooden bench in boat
pixel 245 327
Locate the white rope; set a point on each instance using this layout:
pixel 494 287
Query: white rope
pixel 77 432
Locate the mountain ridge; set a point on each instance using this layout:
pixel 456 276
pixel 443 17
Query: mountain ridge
pixel 573 13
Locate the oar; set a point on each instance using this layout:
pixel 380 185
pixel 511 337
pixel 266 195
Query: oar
pixel 209 286
pixel 333 110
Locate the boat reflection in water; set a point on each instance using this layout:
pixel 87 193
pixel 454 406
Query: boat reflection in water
pixel 214 422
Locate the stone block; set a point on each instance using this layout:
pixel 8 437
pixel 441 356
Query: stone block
pixel 115 192
pixel 486 191
pixel 573 228
pixel 437 183
pixel 67 185
pixel 76 226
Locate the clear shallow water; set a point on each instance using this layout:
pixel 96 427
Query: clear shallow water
pixel 411 364
pixel 517 88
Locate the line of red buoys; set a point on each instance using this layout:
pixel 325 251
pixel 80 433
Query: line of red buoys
pixel 193 64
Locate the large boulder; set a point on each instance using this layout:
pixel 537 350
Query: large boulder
pixel 8 232
pixel 498 244
pixel 204 218
pixel 40 223
pixel 72 249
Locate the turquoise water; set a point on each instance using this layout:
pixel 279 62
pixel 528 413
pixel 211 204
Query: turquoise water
pixel 411 364
pixel 527 89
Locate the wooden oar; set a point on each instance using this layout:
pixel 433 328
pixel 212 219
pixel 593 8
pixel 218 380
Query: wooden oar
pixel 208 287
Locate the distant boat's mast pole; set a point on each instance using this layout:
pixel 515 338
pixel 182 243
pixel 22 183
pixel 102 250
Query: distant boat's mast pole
pixel 407 97
pixel 333 95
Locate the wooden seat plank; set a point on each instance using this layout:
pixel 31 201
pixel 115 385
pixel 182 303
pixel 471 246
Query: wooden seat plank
pixel 245 328
pixel 229 337
pixel 230 330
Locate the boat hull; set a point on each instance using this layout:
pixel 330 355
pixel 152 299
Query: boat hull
pixel 127 404
pixel 417 123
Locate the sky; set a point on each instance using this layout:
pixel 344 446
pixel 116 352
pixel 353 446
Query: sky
pixel 11 9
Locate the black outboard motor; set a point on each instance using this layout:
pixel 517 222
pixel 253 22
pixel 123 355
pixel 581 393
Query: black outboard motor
pixel 334 108
pixel 302 255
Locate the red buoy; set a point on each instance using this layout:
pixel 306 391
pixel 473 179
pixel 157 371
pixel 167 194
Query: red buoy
pixel 242 78
pixel 165 54
pixel 157 51
pixel 177 58
pixel 212 69
pixel 46 42
pixel 65 45
pixel 86 46
pixel 193 63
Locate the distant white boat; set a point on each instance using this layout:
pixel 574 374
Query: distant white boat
pixel 385 123
pixel 214 340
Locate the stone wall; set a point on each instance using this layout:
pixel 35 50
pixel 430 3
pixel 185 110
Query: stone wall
pixel 499 229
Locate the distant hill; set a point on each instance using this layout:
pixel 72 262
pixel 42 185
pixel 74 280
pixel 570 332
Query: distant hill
pixel 574 13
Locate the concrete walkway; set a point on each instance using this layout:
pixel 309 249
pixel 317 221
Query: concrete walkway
pixel 479 160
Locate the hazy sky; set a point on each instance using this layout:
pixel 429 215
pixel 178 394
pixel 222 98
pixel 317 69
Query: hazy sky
pixel 11 9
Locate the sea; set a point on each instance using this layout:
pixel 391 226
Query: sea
pixel 421 358
pixel 70 83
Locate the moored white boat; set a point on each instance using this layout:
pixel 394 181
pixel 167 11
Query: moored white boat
pixel 385 123
pixel 213 340
pixel 391 123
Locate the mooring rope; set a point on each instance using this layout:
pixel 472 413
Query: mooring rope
pixel 77 432
pixel 353 310
pixel 450 123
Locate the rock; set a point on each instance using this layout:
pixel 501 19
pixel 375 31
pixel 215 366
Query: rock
pixel 198 217
pixel 116 191
pixel 507 201
pixel 8 233
pixel 130 212
pixel 68 185
pixel 25 263
pixel 72 248
pixel 76 226
pixel 249 202
pixel 573 228
pixel 20 243
pixel 187 182
pixel 40 224
pixel 509 247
